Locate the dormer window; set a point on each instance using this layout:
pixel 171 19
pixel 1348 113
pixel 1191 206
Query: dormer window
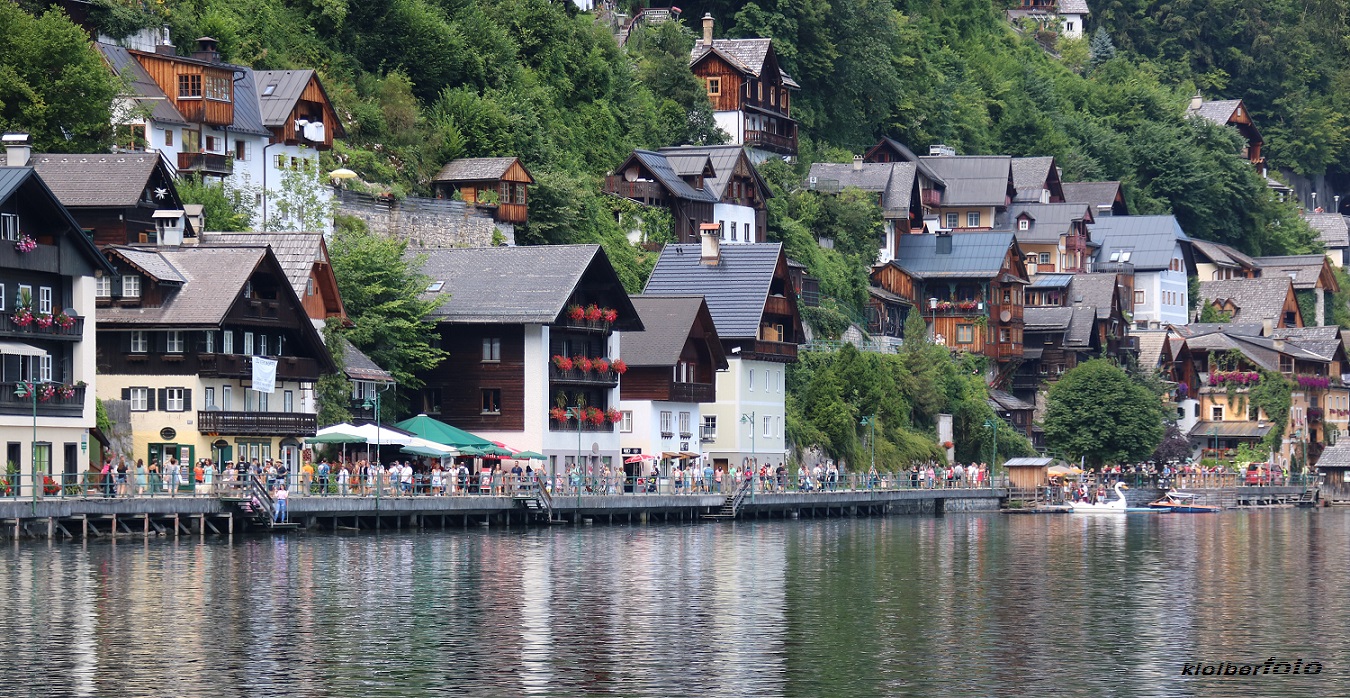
pixel 1024 224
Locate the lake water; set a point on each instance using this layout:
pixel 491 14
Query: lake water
pixel 962 605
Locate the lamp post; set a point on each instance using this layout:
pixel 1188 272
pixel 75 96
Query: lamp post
pixel 379 436
pixel 870 421
pixel 993 461
pixel 750 419
pixel 576 413
pixel 29 390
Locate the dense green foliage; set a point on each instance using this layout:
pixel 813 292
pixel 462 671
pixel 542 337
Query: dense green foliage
pixel 332 391
pixel 1096 411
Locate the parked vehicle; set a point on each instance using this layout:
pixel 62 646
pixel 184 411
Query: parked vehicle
pixel 1259 474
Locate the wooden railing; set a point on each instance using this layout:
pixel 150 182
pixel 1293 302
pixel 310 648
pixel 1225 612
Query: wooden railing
pixel 211 163
pixel 55 406
pixel 294 368
pixel 9 328
pixel 771 141
pixel 256 423
pixel 639 191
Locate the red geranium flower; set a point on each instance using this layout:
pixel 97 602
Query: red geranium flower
pixel 620 367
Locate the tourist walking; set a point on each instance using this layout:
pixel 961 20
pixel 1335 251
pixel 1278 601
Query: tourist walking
pixel 140 477
pixel 306 477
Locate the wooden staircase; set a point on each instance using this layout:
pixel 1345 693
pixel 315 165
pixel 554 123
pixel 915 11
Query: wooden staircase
pixel 732 505
pixel 254 501
pixel 538 502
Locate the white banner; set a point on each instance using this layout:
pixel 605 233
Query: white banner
pixel 264 375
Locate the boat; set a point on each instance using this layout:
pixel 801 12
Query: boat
pixel 1115 506
pixel 1182 503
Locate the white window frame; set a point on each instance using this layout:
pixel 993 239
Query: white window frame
pixel 226 397
pixel 626 422
pixel 45 368
pixel 131 286
pixel 684 424
pixel 210 342
pixel 1024 224
pixel 3 298
pixel 18 297
pixel 248 344
pixel 140 399
pixel 103 287
pixel 262 401
pixel 140 342
pixel 751 384
pixel 972 219
pixel 288 401
pixel 492 350
pixel 45 299
pixel 952 220
pixel 667 422
pixel 768 426
pixel 227 342
pixel 173 399
pixel 174 342
pixel 9 226
pixel 262 345
pixel 709 420
pixel 209 397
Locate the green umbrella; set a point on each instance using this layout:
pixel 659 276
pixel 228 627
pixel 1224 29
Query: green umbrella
pixel 495 450
pixel 442 433
pixel 469 451
pixel 528 455
pixel 424 451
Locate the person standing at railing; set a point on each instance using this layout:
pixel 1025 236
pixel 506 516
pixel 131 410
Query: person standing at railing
pixel 406 478
pixel 343 479
pixel 306 477
pixel 280 497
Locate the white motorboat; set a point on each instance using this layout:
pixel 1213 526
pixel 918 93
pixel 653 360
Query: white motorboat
pixel 1115 506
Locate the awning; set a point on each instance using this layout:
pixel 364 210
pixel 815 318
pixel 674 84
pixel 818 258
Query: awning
pixel 20 349
pixel 1032 353
pixel 1237 430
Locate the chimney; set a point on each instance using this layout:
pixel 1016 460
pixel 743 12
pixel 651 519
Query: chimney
pixel 17 149
pixel 711 252
pixel 707 28
pixel 1196 101
pixel 1267 327
pixel 207 50
pixel 857 163
pixel 944 242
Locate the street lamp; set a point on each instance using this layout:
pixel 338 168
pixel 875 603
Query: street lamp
pixel 576 413
pixel 993 462
pixel 379 436
pixel 29 390
pixel 870 421
pixel 750 419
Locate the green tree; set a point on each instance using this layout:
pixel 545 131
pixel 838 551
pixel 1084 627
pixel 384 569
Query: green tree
pixel 53 83
pixel 333 390
pixel 1100 49
pixel 1097 412
pixel 382 290
pixel 224 207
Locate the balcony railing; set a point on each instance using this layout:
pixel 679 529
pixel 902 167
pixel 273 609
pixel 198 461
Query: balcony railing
pixel 649 192
pixel 586 427
pixel 1009 351
pixel 292 368
pixel 9 328
pixel 931 197
pixel 765 350
pixel 584 325
pixel 41 258
pixel 71 405
pixel 206 163
pixel 692 392
pixel 577 376
pixel 771 141
pixel 212 422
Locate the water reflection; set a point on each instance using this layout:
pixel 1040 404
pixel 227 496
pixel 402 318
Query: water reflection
pixel 960 605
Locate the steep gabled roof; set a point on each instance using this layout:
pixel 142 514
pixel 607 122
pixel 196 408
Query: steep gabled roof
pixel 893 180
pixel 1048 222
pixel 973 255
pixel 1324 340
pixel 1152 345
pixel 106 180
pixel 360 367
pixel 1099 195
pixel 247 108
pixel 518 285
pixel 746 55
pixel 1073 7
pixel 723 158
pixel 296 251
pixel 1305 269
pixel 1097 291
pixel 1257 300
pixel 150 262
pixel 278 91
pixel 25 181
pixel 999 399
pixel 1030 176
pixel 1219 110
pixel 1150 239
pixel 1080 327
pixel 735 289
pixel 206 293
pixel 907 155
pixel 143 88
pixel 1331 228
pixel 668 321
pixel 972 180
pixel 476 169
pixel 661 170
pixel 1047 319
pixel 1224 255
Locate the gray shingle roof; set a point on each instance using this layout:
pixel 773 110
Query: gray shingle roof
pixel 973 256
pixel 1048 221
pixel 517 285
pixel 1081 327
pixel 1219 111
pixel 1150 344
pixel 1008 401
pixel 1243 430
pixel 1095 291
pixel 893 180
pixel 1047 319
pixel 723 158
pixel 1224 255
pixel 1030 176
pixel 665 174
pixel 1073 7
pixel 1151 239
pixel 1331 228
pixel 908 155
pixel 150 262
pixel 289 86
pixel 98 180
pixel 141 85
pixel 247 109
pixel 360 367
pixel 745 54
pixel 296 251
pixel 735 289
pixel 668 321
pixel 1323 341
pixel 1303 269
pixel 474 169
pixel 212 281
pixel 1256 299
pixel 972 180
pixel 1099 195
pixel 1335 457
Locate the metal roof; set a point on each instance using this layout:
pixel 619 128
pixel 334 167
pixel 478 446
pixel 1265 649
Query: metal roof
pixel 1152 240
pixel 1257 300
pixel 972 180
pixel 151 263
pixel 973 256
pixel 1050 281
pixel 665 175
pixel 1030 176
pixel 735 289
pixel 1241 430
pixel 1331 228
pixel 1048 222
pixel 144 89
pixel 11 178
pixel 518 285
pixel 668 321
pixel 112 180
pixel 908 155
pixel 475 169
pixel 286 88
pixel 247 109
pixel 723 158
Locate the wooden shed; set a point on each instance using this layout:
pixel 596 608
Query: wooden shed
pixel 501 184
pixel 1028 473
pixel 1334 466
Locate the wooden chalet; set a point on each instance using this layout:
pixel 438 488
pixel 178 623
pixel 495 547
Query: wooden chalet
pixel 1269 301
pixel 304 257
pixel 500 185
pixel 1055 237
pixel 742 195
pixel 1216 261
pixel 1231 112
pixel 1083 317
pixel 649 178
pixel 969 288
pixel 296 108
pixel 201 89
pixel 120 198
pixel 751 95
pixel 676 357
pixel 1312 275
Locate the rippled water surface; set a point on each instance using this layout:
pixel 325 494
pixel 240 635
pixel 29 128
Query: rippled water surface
pixel 964 605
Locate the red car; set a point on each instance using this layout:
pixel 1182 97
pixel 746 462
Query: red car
pixel 1258 474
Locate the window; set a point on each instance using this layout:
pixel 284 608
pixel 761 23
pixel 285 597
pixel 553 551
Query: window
pixel 1286 364
pixel 168 138
pixel 431 400
pixel 262 345
pixel 1004 335
pixel 173 400
pixel 492 400
pixel 1068 26
pixel 140 342
pixel 192 140
pixel 45 300
pixel 951 220
pixel 666 430
pixel 492 349
pixel 209 395
pixel 1216 413
pixel 626 421
pixel 140 399
pixel 9 226
pixel 748 236
pixel 213 144
pixel 131 286
pixel 102 287
pixel 684 426
pixel 241 150
pixel 262 402
pixel 1045 258
pixel 965 334
pixel 225 395
pixel 189 87
pixel 768 426
pixel 218 88
pixel 1138 297
pixel 1024 224
pixel 709 427
pixel 520 194
pixel 714 87
pixel 2 297
pixel 972 219
pixel 248 343
pixel 174 344
pixel 227 342
pixel 45 368
pixel 288 401
pixel 209 342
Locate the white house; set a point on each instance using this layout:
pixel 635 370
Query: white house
pixel 1159 254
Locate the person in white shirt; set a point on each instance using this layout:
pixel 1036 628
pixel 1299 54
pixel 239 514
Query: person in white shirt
pixel 280 496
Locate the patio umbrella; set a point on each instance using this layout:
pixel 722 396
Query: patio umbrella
pixel 336 438
pixel 638 458
pixel 442 433
pixel 469 451
pixel 528 455
pixel 495 450
pixel 429 451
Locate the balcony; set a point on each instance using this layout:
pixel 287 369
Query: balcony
pixel 44 258
pixel 764 350
pixel 586 427
pixel 931 197
pixel 599 326
pixel 259 308
pixel 646 192
pixel 1007 351
pixel 219 165
pixel 8 328
pixel 215 423
pixel 55 406
pixel 576 376
pixel 786 145
pixel 778 305
pixel 693 392
pixel 289 368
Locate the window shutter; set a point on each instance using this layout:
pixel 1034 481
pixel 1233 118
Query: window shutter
pixel 187 399
pixel 150 399
pixel 162 395
pixel 126 394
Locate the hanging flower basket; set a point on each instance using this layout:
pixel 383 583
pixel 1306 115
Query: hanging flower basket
pixel 584 363
pixel 23 317
pixel 44 321
pixel 610 315
pixel 613 415
pixel 65 321
pixel 562 363
pixel 947 444
pixel 25 244
pixel 593 313
pixel 601 365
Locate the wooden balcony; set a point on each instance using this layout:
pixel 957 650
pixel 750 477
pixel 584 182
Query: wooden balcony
pixel 43 258
pixel 649 193
pixel 931 197
pixel 1008 351
pixel 778 305
pixel 787 145
pixel 55 406
pixel 693 392
pixel 215 423
pixel 214 164
pixel 764 350
pixel 289 368
pixel 576 376
pixel 8 328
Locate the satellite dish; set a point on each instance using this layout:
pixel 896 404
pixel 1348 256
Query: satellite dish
pixel 1005 316
pixel 631 174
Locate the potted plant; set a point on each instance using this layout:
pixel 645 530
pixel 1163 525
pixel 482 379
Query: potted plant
pixel 601 365
pixel 585 364
pixel 558 414
pixel 64 321
pixel 65 392
pixel 23 317
pixel 43 320
pixel 25 244
pixel 576 313
pixel 613 415
pixel 562 363
pixel 619 366
pixel 46 392
pixel 610 315
pixel 595 416
pixel 593 313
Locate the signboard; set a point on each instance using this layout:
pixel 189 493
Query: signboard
pixel 168 434
pixel 631 451
pixel 264 375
